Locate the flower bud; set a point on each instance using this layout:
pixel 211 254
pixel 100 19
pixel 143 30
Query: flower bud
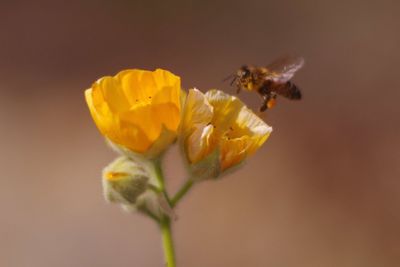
pixel 124 181
pixel 131 182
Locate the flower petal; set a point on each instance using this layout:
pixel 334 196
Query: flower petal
pixel 168 114
pixel 197 110
pixel 196 128
pixel 133 107
pixel 199 143
pixel 144 118
pixel 218 122
pixel 225 107
pixel 100 112
pixel 108 90
pixel 254 127
pixel 233 151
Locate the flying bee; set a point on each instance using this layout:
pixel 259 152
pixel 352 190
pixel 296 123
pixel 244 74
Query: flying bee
pixel 270 81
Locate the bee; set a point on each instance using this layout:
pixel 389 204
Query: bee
pixel 270 81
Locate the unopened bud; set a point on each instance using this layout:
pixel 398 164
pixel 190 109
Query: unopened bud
pixel 124 181
pixel 130 182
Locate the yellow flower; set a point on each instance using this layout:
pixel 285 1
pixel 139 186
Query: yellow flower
pixel 137 109
pixel 216 122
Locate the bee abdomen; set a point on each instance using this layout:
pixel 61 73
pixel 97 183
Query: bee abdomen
pixel 289 90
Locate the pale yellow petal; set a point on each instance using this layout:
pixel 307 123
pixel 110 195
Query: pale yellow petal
pixel 225 108
pixel 256 126
pixel 199 143
pixel 244 137
pixel 197 111
pixel 234 151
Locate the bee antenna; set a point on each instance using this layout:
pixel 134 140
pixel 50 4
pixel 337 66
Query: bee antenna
pixel 234 79
pixel 233 76
pixel 228 77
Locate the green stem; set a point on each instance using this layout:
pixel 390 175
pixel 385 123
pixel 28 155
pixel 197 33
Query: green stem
pixel 165 222
pixel 168 245
pixel 182 192
pixel 159 174
pixel 160 179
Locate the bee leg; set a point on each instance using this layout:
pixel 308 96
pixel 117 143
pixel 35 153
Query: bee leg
pixel 238 90
pixel 264 106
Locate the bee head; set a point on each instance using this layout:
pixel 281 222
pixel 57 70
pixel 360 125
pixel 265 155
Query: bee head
pixel 242 77
pixel 243 72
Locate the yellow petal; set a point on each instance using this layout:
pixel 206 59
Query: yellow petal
pixel 168 114
pixel 100 111
pixel 108 89
pixel 199 143
pixel 225 107
pixel 130 136
pixel 244 137
pixel 166 78
pixel 196 129
pixel 233 151
pixel 144 118
pixel 197 110
pixel 133 107
pixel 254 127
pixel 130 83
pixel 220 122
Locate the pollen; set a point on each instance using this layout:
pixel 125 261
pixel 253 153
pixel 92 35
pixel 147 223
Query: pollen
pixel 271 103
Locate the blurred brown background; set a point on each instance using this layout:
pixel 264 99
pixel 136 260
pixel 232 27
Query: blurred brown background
pixel 323 191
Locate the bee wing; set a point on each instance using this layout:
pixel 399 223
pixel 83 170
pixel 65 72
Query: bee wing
pixel 283 69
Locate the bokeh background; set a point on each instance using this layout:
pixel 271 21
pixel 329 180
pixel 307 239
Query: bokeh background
pixel 323 191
